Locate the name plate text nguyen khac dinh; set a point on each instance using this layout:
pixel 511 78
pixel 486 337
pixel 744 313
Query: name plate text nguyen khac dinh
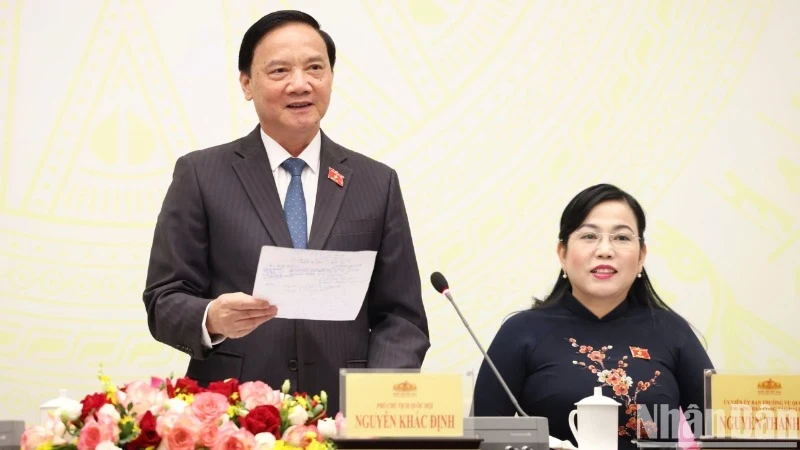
pixel 403 404
pixel 753 406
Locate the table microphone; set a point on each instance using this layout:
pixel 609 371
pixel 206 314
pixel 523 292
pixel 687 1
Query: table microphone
pixel 440 284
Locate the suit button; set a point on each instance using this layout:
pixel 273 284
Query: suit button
pixel 293 365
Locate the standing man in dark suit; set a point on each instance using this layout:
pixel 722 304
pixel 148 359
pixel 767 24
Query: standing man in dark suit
pixel 285 184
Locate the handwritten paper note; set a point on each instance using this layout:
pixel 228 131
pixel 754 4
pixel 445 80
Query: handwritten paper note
pixel 314 284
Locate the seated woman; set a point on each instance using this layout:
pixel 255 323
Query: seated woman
pixel 603 324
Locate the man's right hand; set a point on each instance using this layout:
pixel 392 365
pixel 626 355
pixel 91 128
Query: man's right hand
pixel 236 315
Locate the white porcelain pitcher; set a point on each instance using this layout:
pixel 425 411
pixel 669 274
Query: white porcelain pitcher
pixel 598 417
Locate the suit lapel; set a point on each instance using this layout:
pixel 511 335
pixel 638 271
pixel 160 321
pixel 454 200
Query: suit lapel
pixel 255 174
pixel 329 194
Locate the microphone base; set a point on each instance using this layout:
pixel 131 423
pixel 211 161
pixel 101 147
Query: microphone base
pixel 509 433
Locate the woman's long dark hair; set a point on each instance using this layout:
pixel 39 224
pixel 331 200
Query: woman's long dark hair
pixel 642 292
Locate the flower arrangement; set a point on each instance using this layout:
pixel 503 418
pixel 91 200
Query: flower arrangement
pixel 162 414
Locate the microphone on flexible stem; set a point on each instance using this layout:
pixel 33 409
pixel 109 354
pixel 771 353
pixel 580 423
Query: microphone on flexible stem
pixel 440 284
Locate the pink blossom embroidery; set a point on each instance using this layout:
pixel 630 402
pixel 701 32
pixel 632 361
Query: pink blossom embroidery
pixel 620 383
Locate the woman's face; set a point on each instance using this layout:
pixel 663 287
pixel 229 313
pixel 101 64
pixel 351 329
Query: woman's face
pixel 603 256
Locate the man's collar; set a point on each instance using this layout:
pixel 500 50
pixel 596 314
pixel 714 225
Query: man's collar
pixel 278 154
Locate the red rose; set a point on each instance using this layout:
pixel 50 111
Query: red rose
pixel 187 386
pixel 226 388
pixel 262 419
pixel 170 388
pixel 92 403
pixel 148 436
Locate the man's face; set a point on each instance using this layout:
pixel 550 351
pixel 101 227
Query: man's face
pixel 290 81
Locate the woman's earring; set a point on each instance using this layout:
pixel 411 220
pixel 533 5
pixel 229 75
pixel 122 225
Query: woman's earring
pixel 639 275
pixel 564 276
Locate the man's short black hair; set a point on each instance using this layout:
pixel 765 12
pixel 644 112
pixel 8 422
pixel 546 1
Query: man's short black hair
pixel 272 21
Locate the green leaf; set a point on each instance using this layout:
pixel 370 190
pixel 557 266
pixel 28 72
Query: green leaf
pixel 124 441
pixel 65 447
pixel 126 429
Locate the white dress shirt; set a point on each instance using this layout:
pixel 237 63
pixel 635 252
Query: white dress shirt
pixel 310 179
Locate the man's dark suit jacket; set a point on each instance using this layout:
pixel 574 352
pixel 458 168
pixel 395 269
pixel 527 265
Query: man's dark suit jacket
pixel 222 206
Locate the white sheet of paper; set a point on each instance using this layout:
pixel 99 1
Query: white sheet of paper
pixel 314 284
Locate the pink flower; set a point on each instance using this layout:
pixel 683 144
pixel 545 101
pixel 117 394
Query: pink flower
pixel 614 377
pixel 621 389
pixel 156 382
pixel 165 421
pixel 258 393
pixel 341 426
pixel 108 427
pixel 301 435
pixel 209 432
pixel 232 439
pixel 184 433
pixel 92 434
pixel 53 428
pixel 143 396
pixel 110 411
pixel 597 356
pixel 34 436
pixel 209 406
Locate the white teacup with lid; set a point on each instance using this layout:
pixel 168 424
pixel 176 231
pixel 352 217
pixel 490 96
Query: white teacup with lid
pixel 598 417
pixel 58 405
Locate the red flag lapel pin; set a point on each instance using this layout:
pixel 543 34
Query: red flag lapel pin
pixel 638 352
pixel 335 176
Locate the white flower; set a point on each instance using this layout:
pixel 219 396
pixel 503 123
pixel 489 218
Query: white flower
pixel 107 445
pixel 327 427
pixel 57 428
pixel 286 386
pixel 601 376
pixel 69 410
pixel 110 411
pixel 298 415
pixel 265 441
pixel 175 405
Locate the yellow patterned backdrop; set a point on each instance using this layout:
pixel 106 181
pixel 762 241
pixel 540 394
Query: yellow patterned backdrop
pixel 494 112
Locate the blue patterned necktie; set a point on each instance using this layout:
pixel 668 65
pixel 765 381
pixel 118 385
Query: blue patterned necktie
pixel 294 207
